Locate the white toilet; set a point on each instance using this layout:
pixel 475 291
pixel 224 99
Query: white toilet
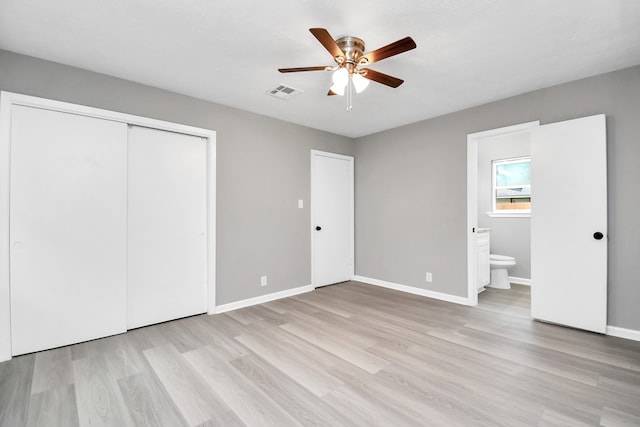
pixel 499 265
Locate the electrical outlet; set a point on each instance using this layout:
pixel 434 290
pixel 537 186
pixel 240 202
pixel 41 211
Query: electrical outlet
pixel 263 280
pixel 429 277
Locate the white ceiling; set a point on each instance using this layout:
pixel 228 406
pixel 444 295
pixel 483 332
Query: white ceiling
pixel 469 52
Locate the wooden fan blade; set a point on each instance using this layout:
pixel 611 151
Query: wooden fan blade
pixel 327 41
pixel 297 69
pixel 392 49
pixel 379 77
pixel 331 93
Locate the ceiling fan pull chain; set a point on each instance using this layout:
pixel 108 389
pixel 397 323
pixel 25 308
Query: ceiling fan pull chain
pixel 349 104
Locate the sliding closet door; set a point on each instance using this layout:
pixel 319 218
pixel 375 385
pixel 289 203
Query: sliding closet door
pixel 67 228
pixel 167 211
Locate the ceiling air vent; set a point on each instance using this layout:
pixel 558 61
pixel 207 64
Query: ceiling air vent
pixel 284 92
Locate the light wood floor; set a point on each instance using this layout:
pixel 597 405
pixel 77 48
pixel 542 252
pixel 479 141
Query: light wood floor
pixel 344 355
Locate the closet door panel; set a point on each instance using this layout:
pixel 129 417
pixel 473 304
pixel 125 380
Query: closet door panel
pixel 167 217
pixel 67 228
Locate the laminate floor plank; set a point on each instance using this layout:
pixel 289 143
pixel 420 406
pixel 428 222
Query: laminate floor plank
pixel 313 356
pixel 269 316
pixel 183 337
pixel 147 337
pixel 54 407
pixel 525 355
pixel 148 402
pixel 351 354
pixel 16 377
pixel 445 401
pixel 277 306
pixel 340 348
pixel 412 312
pixel 292 362
pixel 304 406
pixel 375 329
pixel 196 401
pixel 387 301
pixel 120 352
pixel 52 369
pixel 226 346
pixel 613 418
pixel 618 383
pixel 552 418
pixel 291 304
pixel 227 419
pixel 337 326
pixel 244 316
pixel 98 396
pixel 357 405
pixel 451 383
pixel 579 394
pixel 323 303
pixel 122 357
pixel 514 301
pixel 225 324
pixel 578 348
pixel 248 402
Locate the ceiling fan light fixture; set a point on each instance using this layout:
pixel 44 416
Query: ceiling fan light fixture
pixel 359 82
pixel 340 79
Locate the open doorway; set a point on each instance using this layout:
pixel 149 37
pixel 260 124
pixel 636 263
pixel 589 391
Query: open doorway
pixel 568 220
pixel 498 214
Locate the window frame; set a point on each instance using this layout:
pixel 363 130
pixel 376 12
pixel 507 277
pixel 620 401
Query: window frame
pixel 507 212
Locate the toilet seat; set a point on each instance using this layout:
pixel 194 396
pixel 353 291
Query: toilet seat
pixel 502 260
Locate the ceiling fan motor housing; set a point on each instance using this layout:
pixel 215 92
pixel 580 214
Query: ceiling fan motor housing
pixel 353 49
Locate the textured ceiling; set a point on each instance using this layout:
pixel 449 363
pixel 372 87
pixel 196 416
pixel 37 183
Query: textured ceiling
pixel 469 52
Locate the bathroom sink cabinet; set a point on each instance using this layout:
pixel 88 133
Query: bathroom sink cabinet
pixel 483 251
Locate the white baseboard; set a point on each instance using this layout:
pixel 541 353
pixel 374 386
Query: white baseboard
pixel 629 334
pixel 520 281
pixel 412 290
pixel 262 299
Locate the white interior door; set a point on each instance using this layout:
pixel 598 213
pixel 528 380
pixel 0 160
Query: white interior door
pixel 569 209
pixel 331 218
pixel 167 212
pixel 67 228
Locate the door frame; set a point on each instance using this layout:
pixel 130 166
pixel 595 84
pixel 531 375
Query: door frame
pixel 350 159
pixel 7 100
pixel 473 139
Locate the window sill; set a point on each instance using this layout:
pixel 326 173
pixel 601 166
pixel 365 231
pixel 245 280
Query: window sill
pixel 509 214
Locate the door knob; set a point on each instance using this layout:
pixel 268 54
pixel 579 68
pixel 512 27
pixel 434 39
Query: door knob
pixel 598 235
pixel 318 228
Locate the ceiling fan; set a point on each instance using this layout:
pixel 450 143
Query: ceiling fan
pixel 348 53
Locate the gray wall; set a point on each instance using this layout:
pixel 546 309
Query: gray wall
pixel 509 236
pixel 411 188
pixel 410 181
pixel 263 168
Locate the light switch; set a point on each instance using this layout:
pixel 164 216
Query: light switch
pixel 300 204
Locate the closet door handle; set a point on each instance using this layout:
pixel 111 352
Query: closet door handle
pixel 598 235
pixel 318 228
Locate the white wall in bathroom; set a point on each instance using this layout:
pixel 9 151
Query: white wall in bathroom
pixel 509 236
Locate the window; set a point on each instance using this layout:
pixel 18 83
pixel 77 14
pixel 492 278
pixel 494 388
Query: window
pixel 512 186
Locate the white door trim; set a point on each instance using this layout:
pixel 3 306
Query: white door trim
pixel 312 223
pixel 472 198
pixel 7 99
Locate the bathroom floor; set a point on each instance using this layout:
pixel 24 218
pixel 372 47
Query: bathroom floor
pixel 515 301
